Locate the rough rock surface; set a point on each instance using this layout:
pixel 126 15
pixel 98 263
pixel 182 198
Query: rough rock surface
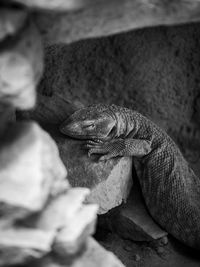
pixel 21 66
pixel 30 170
pixel 153 70
pixel 103 17
pixel 110 182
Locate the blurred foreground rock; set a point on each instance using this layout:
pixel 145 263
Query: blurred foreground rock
pixel 40 213
pixel 59 211
pixel 110 182
pixel 30 170
pixel 93 256
pixel 7 115
pixel 19 245
pixel 21 66
pixel 71 238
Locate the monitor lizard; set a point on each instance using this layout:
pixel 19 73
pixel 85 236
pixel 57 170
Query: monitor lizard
pixel 169 186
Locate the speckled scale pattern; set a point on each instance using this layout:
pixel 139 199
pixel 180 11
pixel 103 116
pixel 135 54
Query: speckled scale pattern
pixel 170 188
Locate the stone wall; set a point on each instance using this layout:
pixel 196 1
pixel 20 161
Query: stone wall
pixel 154 70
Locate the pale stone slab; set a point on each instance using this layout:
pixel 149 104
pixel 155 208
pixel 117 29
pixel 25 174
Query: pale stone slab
pixel 115 189
pixel 110 181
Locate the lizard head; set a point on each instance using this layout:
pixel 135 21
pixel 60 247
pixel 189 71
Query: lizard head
pixel 93 122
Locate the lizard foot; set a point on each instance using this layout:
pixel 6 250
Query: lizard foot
pixel 93 143
pixel 95 147
pixel 108 149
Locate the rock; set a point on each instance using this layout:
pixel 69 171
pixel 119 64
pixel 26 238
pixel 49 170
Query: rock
pixel 27 238
pixel 132 220
pixel 30 172
pixel 55 5
pixel 7 115
pixel 21 66
pixel 17 255
pixel 109 181
pixel 11 21
pixel 115 189
pixel 18 245
pixel 94 256
pixel 61 210
pixel 74 234
pixel 110 17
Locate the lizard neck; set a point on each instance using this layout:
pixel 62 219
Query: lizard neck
pixel 125 124
pixel 131 124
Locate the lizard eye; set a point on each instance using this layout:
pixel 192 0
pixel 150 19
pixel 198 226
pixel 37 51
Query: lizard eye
pixel 90 127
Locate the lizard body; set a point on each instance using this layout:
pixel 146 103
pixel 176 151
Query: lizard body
pixel 170 188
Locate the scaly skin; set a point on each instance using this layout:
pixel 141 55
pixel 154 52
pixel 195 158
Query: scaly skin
pixel 169 186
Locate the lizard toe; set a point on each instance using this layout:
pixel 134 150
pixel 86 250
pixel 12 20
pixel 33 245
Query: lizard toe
pixel 98 141
pixel 103 158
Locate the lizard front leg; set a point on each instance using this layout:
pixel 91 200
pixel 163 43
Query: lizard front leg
pixel 119 147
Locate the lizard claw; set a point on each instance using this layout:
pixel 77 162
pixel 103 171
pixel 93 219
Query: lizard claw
pixel 94 142
pixel 98 141
pixel 86 146
pixel 89 153
pixel 91 142
pixel 104 158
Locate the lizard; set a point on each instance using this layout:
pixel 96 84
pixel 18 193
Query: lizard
pixel 170 188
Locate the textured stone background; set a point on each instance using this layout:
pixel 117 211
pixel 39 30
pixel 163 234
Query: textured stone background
pixel 154 70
